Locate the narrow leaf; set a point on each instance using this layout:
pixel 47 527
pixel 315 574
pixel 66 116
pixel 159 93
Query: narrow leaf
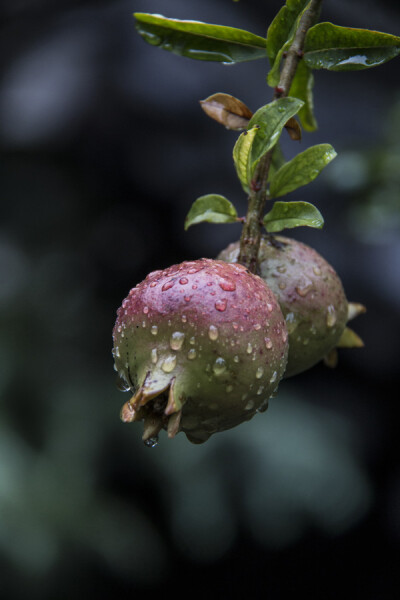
pixel 271 119
pixel 350 339
pixel 302 88
pixel 227 110
pixel 211 208
pixel 302 169
pixel 355 309
pixel 281 33
pixel 201 41
pixel 242 157
pixel 286 215
pixel 329 46
pixel 294 130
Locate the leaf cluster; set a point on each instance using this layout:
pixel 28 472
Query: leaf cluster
pixel 327 46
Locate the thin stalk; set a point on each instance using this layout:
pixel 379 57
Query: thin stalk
pixel 251 232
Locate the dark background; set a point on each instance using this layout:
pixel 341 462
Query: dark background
pixel 103 150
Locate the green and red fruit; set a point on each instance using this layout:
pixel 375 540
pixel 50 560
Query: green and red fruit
pixel 202 345
pixel 309 293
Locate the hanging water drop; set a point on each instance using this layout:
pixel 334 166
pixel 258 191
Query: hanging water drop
pixel 154 356
pixel 331 316
pixel 176 340
pixel 169 364
pixel 192 354
pixel 213 332
pixel 219 366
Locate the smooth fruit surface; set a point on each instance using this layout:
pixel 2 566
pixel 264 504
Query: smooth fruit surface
pixel 202 345
pixel 309 293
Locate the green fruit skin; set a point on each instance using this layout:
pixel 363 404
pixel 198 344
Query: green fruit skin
pixel 310 295
pixel 214 328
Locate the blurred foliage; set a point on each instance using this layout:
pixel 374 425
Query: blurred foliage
pixel 371 179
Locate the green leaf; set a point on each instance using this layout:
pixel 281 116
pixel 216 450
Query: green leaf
pixel 329 46
pixel 302 86
pixel 302 169
pixel 281 33
pixel 201 41
pixel 277 161
pixel 286 215
pixel 242 157
pixel 270 120
pixel 211 208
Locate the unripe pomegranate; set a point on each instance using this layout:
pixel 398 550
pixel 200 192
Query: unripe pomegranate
pixel 202 346
pixel 309 293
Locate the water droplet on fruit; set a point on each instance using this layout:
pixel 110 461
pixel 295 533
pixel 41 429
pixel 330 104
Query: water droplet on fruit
pixel 151 442
pixel 263 406
pixel 117 352
pixel 169 364
pixel 303 291
pixel 176 340
pixel 154 356
pixel 268 343
pixel 192 340
pixel 281 269
pixel 122 384
pixel 184 319
pixel 183 280
pixel 213 332
pixel 191 354
pixel 257 326
pixel 284 336
pixel 330 316
pixel 259 372
pixel 282 285
pixel 317 270
pixel 220 305
pixel 236 359
pixel 269 307
pixel 153 284
pixel 154 330
pixel 291 322
pixel 219 366
pixel 249 348
pixel 168 285
pixel 274 377
pixel 145 310
pixel 227 286
pixel 260 390
pixel 249 405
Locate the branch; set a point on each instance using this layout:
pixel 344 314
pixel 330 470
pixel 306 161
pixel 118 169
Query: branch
pixel 251 233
